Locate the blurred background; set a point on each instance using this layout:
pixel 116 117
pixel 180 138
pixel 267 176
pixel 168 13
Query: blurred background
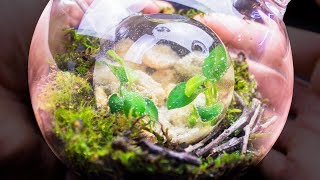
pixel 304 14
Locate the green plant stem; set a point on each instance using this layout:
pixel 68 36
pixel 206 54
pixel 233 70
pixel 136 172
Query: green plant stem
pixel 210 93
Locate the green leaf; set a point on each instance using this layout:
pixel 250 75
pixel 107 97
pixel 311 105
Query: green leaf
pixel 115 103
pixel 216 64
pixel 134 104
pixel 193 84
pixel 177 97
pixel 119 72
pixel 151 109
pixel 116 57
pixel 210 113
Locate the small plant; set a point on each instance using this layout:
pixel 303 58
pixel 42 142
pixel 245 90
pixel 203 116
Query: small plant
pixel 130 103
pixel 213 68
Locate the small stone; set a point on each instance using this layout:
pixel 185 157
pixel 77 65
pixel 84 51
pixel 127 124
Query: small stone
pixel 160 57
pixel 149 136
pixel 77 124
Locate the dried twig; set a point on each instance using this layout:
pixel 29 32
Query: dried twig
pixel 259 118
pixel 267 124
pixel 249 127
pixel 182 156
pixel 240 123
pixel 226 146
pixel 240 100
pixel 198 145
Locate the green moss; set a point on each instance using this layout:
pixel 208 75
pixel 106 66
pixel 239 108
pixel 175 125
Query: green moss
pixel 226 158
pixel 79 53
pixel 190 12
pixel 245 86
pixel 89 134
pixel 66 90
pixel 84 140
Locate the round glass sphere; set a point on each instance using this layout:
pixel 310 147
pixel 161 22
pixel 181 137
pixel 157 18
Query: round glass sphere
pixel 170 88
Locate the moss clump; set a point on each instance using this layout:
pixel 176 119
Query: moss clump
pixel 86 134
pixel 97 142
pixel 245 85
pixel 91 137
pixel 66 90
pixel 79 54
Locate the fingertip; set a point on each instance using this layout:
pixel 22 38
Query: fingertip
pixel 214 21
pixel 152 8
pixel 158 6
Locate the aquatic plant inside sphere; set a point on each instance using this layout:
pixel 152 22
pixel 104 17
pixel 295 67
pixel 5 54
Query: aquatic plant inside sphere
pixel 188 89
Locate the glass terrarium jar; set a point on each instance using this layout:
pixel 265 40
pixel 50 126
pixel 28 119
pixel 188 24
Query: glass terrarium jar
pixel 175 88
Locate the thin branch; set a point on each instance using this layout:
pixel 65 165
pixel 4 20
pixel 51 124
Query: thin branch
pixel 240 123
pixel 248 128
pixel 127 133
pixel 259 113
pixel 182 156
pixel 269 122
pixel 226 146
pixel 196 146
pixel 258 119
pixel 240 100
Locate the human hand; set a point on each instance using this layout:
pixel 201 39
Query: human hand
pixel 277 49
pixel 294 156
pixel 23 153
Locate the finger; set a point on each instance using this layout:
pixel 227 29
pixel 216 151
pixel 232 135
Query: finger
pixel 306 104
pixel 265 43
pixel 310 112
pixel 38 57
pixel 274 165
pixel 275 82
pixel 304 56
pixel 22 147
pixel 238 33
pixel 315 78
pixel 17 26
pixel 66 14
pixel 301 87
pixel 158 6
pixel 286 140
